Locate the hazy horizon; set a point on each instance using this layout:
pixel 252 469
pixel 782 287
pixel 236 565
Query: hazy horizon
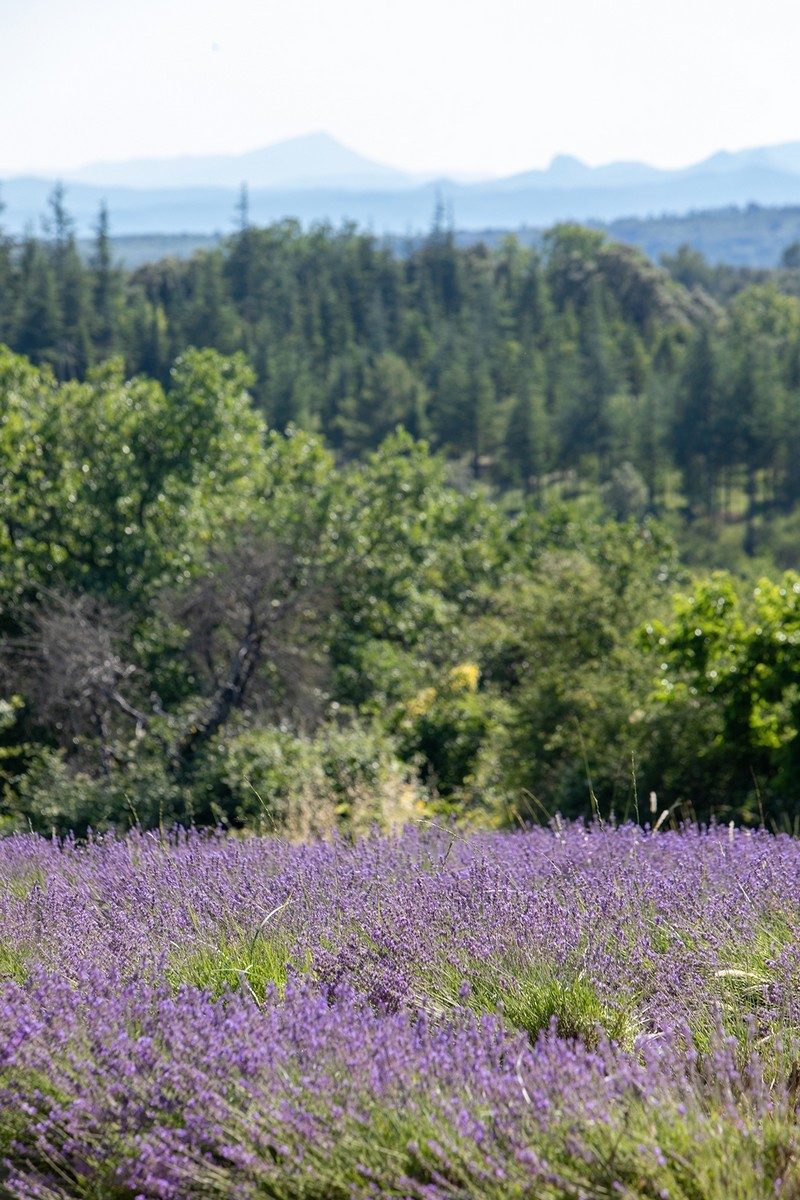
pixel 478 90
pixel 69 169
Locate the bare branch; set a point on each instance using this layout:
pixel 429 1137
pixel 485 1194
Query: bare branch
pixel 67 666
pixel 255 611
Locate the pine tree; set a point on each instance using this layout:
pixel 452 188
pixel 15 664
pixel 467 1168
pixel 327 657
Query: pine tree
pixel 528 440
pixel 72 350
pixel 480 415
pixel 76 343
pixel 243 208
pixel 210 319
pixel 38 322
pixel 650 452
pixel 696 421
pixel 241 267
pixel 7 297
pixel 107 289
pixel 600 378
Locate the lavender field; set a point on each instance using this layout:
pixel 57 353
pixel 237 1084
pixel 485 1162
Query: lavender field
pixel 562 1012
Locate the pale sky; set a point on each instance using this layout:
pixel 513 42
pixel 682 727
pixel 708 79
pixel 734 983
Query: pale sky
pixel 486 86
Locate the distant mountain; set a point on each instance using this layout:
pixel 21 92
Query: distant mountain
pixel 317 179
pixel 568 172
pixel 315 160
pixel 785 158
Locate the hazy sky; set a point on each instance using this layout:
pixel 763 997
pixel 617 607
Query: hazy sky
pixel 422 84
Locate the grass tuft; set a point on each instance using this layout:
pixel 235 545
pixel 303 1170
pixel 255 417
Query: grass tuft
pixel 531 997
pixel 254 965
pixel 13 963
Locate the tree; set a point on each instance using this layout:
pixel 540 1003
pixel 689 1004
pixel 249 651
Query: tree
pixel 763 329
pixel 243 209
pixel 591 424
pixel 558 640
pixel 71 353
pixel 249 618
pixel 528 439
pixel 114 480
pixel 106 290
pixel 210 320
pixel 67 665
pixel 407 555
pixel 252 612
pixel 38 320
pixel 790 259
pixel 696 424
pixel 729 675
pixel 625 494
pixel 7 297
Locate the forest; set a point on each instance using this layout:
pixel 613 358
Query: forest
pixel 304 534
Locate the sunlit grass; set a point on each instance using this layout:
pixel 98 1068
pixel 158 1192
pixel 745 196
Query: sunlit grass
pixel 255 965
pixel 13 963
pixel 21 884
pixel 533 997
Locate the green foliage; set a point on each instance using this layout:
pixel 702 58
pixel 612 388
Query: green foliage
pixel 729 673
pixel 106 476
pixel 13 963
pixel 560 642
pixel 256 964
pixel 276 779
pixel 500 357
pixel 531 997
pixel 449 730
pixel 408 554
pixel 208 619
pixel 625 494
pixel 579 360
pixel 56 795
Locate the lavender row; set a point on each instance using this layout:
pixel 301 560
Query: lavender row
pixel 659 928
pixel 139 1093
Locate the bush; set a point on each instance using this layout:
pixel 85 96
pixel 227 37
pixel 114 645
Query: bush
pixel 450 731
pixel 53 796
pixel 275 779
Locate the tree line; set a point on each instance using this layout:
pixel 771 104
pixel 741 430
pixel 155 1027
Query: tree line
pixel 321 571
pixel 580 360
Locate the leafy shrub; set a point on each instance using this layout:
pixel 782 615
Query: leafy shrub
pixel 344 776
pixel 449 729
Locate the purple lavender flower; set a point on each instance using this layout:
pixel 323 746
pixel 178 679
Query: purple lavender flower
pixel 595 1012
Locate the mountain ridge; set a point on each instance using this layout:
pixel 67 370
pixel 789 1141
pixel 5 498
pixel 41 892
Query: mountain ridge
pixel 313 159
pixel 320 160
pixel 325 181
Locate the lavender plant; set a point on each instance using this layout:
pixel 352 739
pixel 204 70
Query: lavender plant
pixel 559 1013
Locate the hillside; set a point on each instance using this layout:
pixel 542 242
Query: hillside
pixel 751 237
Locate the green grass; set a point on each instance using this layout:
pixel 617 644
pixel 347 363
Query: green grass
pixel 653 1148
pixel 739 987
pixel 254 964
pixel 13 963
pixel 531 997
pixel 20 886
